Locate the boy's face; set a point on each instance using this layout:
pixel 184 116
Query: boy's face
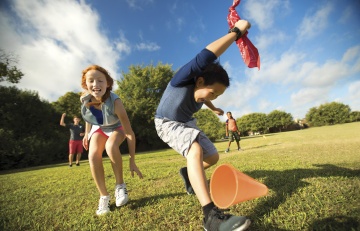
pixel 76 120
pixel 204 93
pixel 228 115
pixel 96 83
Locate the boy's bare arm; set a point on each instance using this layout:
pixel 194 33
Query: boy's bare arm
pixel 220 45
pixel 216 110
pixel 62 123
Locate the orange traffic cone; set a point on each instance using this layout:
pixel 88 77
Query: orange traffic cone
pixel 228 186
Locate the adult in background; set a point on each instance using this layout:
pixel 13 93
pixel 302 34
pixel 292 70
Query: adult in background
pixel 232 131
pixel 75 143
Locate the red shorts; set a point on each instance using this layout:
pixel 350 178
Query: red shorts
pixel 75 146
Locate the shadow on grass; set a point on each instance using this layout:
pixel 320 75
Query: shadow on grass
pixel 262 146
pixel 286 183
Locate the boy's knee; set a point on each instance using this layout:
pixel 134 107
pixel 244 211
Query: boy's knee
pixel 213 159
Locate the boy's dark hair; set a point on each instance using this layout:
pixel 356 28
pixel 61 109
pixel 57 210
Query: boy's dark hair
pixel 215 73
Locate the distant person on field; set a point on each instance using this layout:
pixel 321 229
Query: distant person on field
pixel 196 83
pixel 108 125
pixel 232 131
pixel 75 142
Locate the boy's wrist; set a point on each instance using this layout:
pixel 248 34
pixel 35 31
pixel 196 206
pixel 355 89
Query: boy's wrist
pixel 237 31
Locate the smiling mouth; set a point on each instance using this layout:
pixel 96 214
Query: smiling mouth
pixel 96 90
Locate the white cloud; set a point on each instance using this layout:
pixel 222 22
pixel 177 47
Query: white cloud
pixel 313 25
pixel 123 45
pixel 262 12
pixel 354 95
pixel 147 46
pixel 309 96
pixel 55 40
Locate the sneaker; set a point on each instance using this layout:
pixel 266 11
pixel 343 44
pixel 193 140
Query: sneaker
pixel 77 164
pixel 239 149
pixel 70 165
pixel 121 195
pixel 104 205
pixel 227 150
pixel 219 221
pixel 185 177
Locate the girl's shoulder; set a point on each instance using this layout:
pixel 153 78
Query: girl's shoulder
pixel 85 97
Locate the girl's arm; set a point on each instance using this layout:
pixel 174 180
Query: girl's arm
pixel 130 135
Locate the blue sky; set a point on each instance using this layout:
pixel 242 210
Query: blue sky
pixel 310 50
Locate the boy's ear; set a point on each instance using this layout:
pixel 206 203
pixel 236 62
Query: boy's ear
pixel 199 82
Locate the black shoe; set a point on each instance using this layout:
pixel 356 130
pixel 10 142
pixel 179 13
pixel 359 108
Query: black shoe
pixel 185 177
pixel 217 220
pixel 70 165
pixel 78 164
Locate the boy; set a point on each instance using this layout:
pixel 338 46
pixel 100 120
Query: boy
pixel 198 82
pixel 232 131
pixel 76 136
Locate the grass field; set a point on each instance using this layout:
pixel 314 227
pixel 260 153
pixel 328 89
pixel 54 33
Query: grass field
pixel 313 177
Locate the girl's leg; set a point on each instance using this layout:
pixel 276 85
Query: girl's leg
pixel 196 174
pixel 113 150
pixel 96 148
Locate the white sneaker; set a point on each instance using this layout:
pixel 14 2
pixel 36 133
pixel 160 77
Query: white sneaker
pixel 104 205
pixel 121 195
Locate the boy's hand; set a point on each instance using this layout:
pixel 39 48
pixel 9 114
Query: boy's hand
pixel 243 25
pixel 218 111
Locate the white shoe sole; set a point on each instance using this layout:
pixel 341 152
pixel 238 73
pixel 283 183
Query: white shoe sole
pixel 244 226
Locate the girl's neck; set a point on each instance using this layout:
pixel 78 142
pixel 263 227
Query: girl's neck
pixel 95 100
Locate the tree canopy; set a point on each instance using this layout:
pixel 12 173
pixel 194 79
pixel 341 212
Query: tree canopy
pixel 279 120
pixel 328 114
pixel 140 91
pixel 210 124
pixel 8 71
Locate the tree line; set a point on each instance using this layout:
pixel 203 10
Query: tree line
pixel 30 133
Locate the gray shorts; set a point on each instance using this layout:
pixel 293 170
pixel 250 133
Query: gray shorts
pixel 180 136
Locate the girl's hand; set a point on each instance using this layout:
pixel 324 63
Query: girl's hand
pixel 134 168
pixel 85 142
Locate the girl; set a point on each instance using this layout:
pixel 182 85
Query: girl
pixel 107 124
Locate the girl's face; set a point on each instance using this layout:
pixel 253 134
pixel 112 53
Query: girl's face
pixel 96 83
pixel 204 93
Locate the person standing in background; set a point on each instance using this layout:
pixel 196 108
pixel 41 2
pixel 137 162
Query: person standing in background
pixel 75 143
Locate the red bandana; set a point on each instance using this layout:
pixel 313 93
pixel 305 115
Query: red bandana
pixel 248 51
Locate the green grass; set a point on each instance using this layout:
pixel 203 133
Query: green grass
pixel 313 177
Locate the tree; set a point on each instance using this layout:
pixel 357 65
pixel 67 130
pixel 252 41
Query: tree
pixel 29 133
pixel 279 120
pixel 140 91
pixel 329 114
pixel 354 116
pixel 68 103
pixel 210 124
pixel 252 122
pixel 9 72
